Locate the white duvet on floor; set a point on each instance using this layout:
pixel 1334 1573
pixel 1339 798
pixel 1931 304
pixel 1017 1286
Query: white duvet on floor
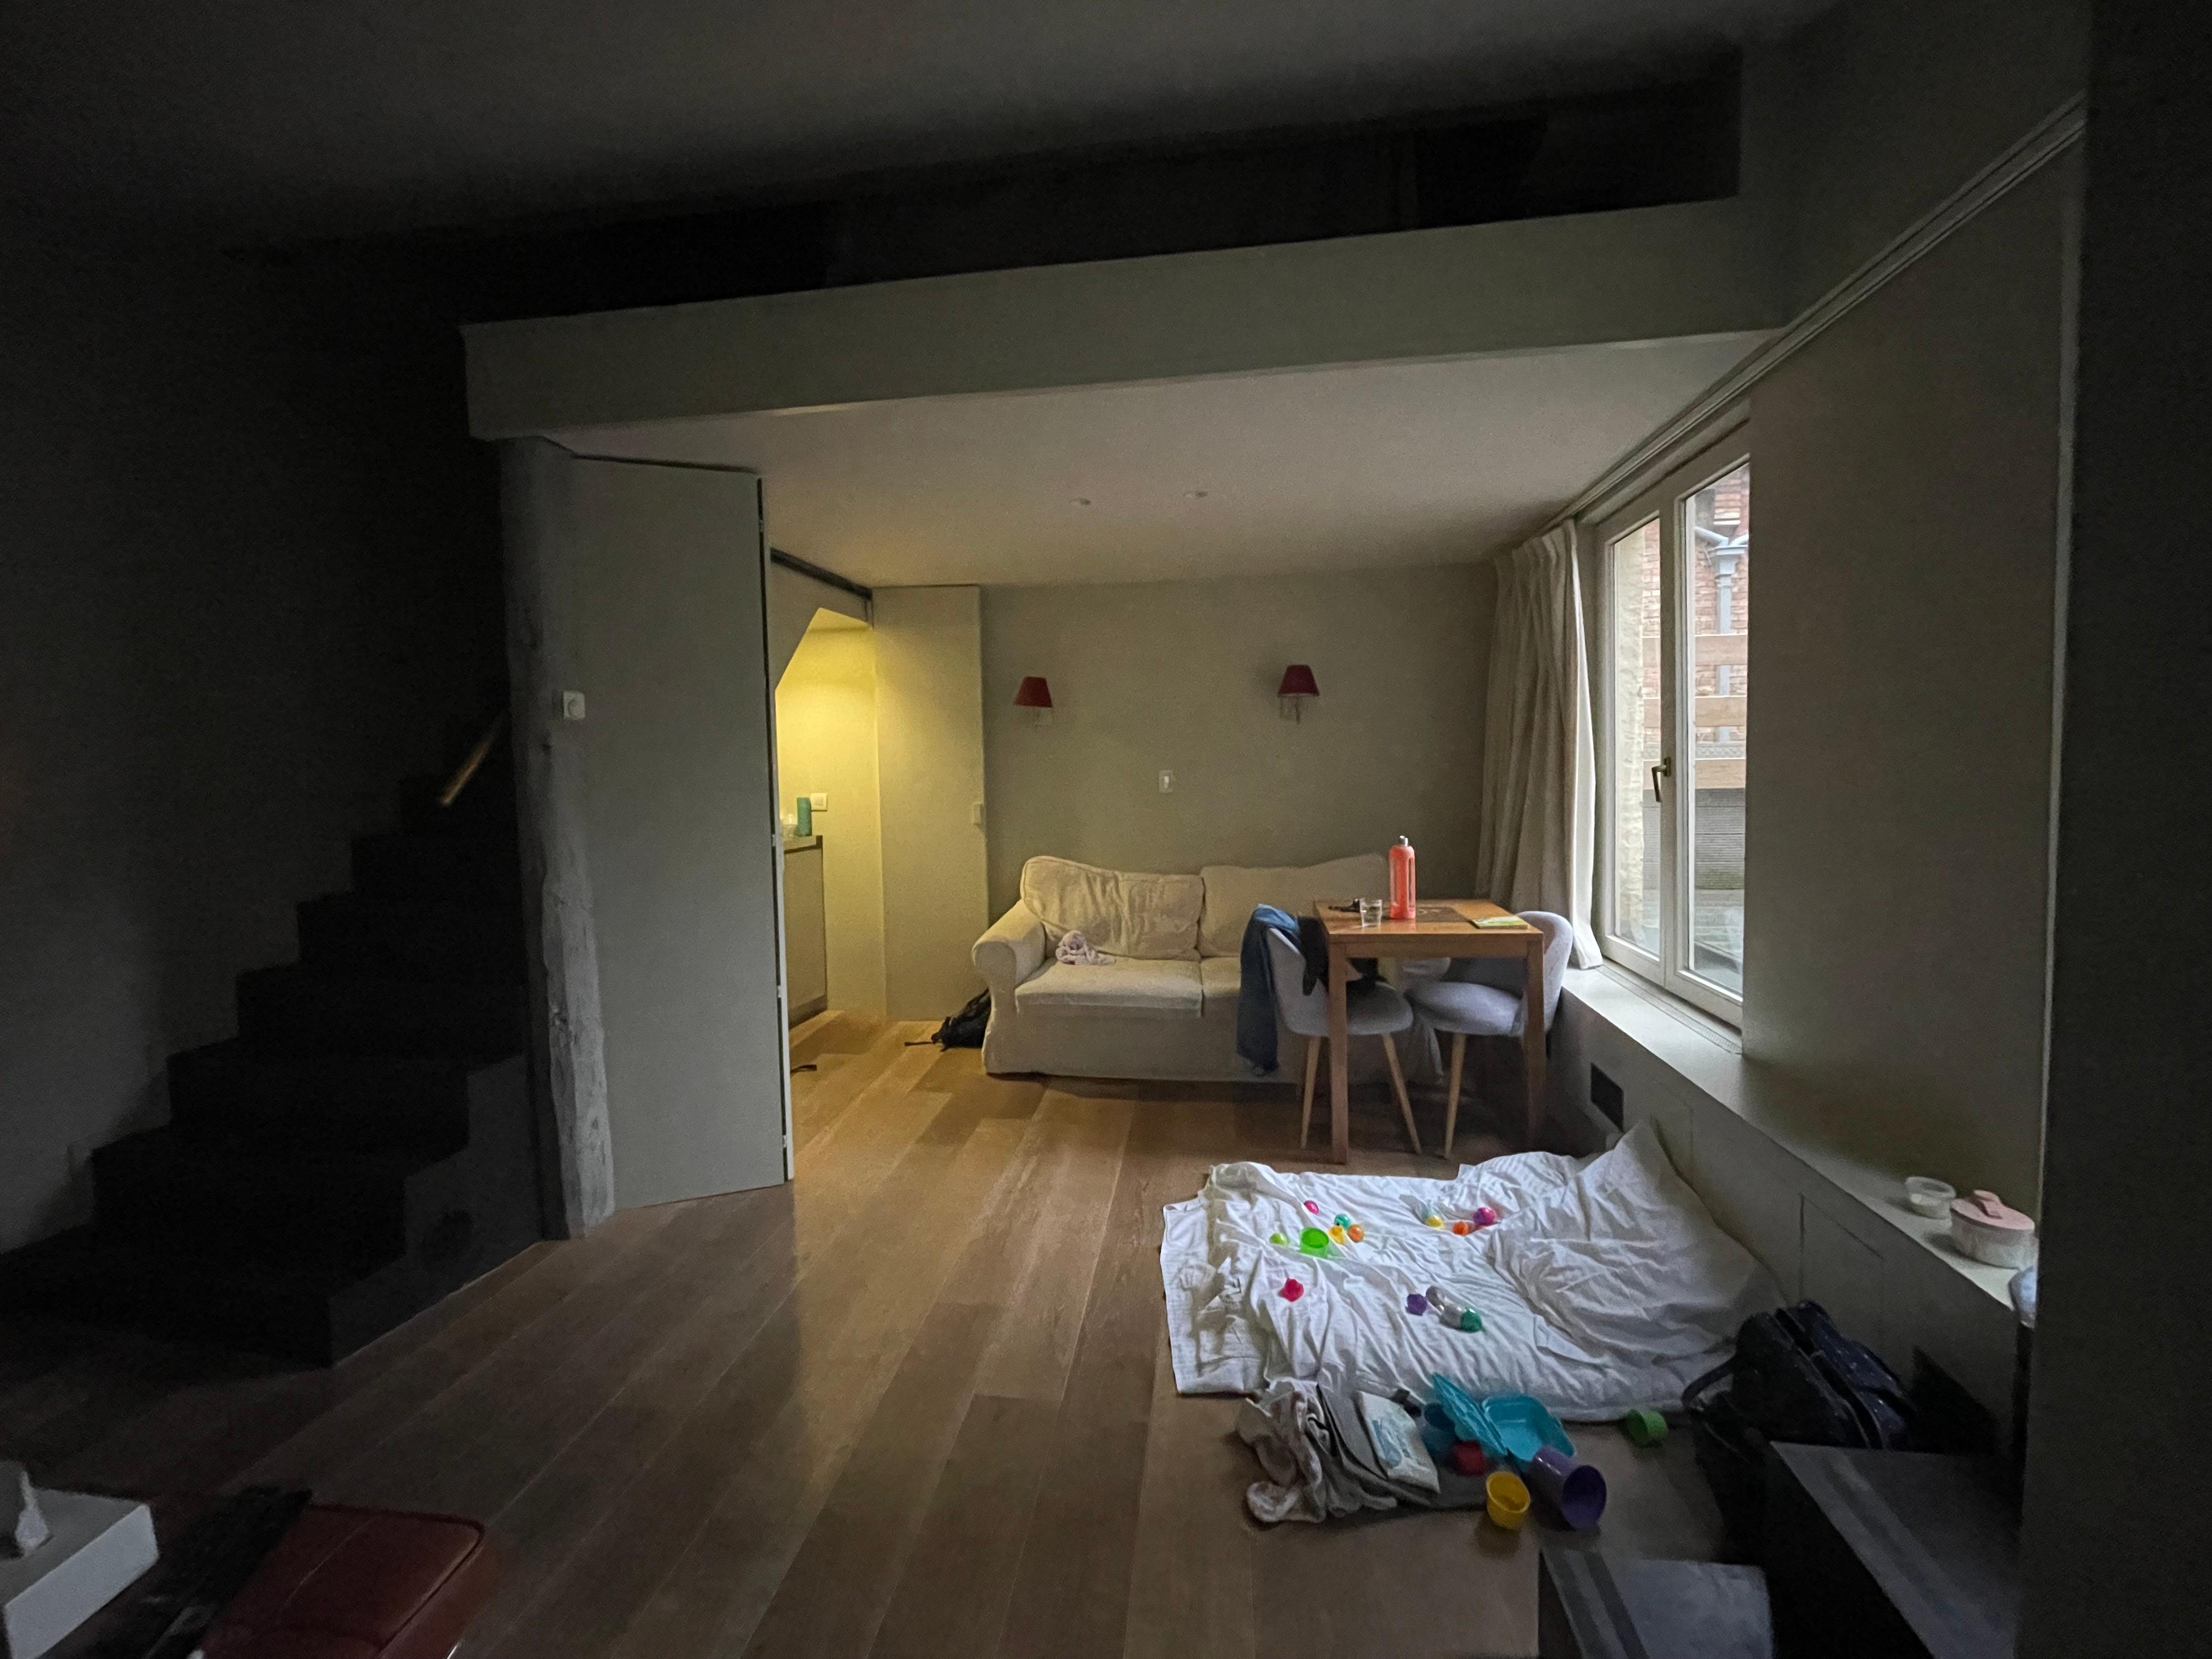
pixel 1605 1287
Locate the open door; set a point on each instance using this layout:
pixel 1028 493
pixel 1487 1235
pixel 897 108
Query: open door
pixel 648 587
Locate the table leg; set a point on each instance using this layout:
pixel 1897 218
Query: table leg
pixel 1339 1061
pixel 1532 1039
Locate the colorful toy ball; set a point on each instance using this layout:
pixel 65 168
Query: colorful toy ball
pixel 1293 1289
pixel 1484 1216
pixel 1462 1228
pixel 1312 1208
pixel 1416 1303
pixel 1314 1242
pixel 1344 1221
pixel 1431 1219
pixel 1337 1235
pixel 1277 1238
pixel 1354 1233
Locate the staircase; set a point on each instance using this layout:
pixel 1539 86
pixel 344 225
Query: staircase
pixel 363 1147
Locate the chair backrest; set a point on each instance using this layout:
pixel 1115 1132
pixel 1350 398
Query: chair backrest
pixel 1304 1012
pixel 1505 972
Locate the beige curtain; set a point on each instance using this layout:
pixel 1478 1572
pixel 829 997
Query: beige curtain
pixel 1538 846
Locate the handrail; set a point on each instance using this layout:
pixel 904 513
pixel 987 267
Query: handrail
pixel 477 755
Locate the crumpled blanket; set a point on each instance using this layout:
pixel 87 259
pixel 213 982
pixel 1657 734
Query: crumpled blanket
pixel 1320 1460
pixel 1079 952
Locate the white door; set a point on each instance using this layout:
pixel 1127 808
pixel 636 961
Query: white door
pixel 671 644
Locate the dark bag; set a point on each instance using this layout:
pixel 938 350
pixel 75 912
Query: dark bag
pixel 965 1028
pixel 1794 1377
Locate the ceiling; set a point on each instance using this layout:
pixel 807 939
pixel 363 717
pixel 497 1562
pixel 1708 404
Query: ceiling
pixel 289 118
pixel 1392 463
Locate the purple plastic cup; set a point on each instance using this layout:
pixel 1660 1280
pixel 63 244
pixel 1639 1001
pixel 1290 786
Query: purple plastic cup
pixel 1575 1490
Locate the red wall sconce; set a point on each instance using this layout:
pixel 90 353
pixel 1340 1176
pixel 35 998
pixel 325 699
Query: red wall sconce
pixel 1297 685
pixel 1035 696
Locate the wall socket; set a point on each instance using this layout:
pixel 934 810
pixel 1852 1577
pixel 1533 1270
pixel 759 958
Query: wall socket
pixel 1167 783
pixel 821 800
pixel 571 705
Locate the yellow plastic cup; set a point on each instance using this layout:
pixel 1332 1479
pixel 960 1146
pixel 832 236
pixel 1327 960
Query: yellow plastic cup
pixel 1508 1497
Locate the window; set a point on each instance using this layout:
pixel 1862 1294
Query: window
pixel 1676 567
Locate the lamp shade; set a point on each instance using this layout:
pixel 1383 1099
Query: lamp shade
pixel 1034 693
pixel 1297 682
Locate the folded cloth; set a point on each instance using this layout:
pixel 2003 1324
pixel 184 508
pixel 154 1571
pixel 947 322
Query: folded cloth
pixel 1320 1460
pixel 1080 951
pixel 1255 989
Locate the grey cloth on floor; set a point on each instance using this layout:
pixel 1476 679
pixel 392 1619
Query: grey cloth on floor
pixel 1321 1464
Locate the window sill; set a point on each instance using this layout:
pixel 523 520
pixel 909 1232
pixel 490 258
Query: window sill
pixel 1704 1058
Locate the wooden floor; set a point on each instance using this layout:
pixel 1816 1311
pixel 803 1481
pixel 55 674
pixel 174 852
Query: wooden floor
pixel 917 1402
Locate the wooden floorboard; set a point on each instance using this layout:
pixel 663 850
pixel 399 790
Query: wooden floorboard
pixel 917 1402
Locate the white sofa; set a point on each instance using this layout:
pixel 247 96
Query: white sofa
pixel 1166 1006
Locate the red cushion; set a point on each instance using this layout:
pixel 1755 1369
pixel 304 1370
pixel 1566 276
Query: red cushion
pixel 347 1583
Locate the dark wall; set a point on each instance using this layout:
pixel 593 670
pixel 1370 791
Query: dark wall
pixel 2119 1390
pixel 248 581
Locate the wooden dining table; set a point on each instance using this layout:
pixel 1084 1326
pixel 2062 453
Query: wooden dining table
pixel 1439 928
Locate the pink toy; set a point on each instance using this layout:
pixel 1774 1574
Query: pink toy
pixel 1484 1216
pixel 1312 1208
pixel 1293 1289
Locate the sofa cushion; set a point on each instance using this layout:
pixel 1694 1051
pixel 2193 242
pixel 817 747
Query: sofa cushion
pixel 1123 913
pixel 1222 980
pixel 1148 988
pixel 1233 891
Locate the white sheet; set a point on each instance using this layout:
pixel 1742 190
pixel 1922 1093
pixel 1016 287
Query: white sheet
pixel 1604 1288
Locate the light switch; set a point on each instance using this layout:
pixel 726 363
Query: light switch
pixel 975 814
pixel 1167 783
pixel 571 705
pixel 821 800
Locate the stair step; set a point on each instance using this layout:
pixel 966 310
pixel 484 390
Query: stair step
pixel 466 869
pixel 230 1093
pixel 163 1187
pixel 411 938
pixel 298 1009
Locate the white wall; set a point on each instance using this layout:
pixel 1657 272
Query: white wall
pixel 929 718
pixel 1906 475
pixel 825 741
pixel 1182 676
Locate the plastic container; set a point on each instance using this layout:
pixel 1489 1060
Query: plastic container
pixel 1505 1499
pixel 1925 1195
pixel 1402 901
pixel 1984 1227
pixel 1575 1490
pixel 1643 1428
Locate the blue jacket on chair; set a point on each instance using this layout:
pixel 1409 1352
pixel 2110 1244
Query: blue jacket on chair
pixel 1255 990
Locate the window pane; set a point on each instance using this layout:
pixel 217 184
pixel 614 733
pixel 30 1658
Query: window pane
pixel 1636 737
pixel 1718 551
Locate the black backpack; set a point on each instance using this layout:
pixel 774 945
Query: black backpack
pixel 965 1028
pixel 1794 1377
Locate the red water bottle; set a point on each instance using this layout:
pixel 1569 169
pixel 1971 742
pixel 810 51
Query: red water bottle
pixel 1401 881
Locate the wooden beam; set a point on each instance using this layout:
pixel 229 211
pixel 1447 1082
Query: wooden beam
pixel 1733 649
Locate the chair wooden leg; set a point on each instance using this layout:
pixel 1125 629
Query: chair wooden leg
pixel 1451 1095
pixel 1398 1083
pixel 1305 1106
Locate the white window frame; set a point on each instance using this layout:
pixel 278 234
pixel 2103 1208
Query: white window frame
pixel 1667 500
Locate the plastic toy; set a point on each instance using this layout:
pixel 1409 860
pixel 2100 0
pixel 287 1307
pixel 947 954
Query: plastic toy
pixel 1466 1457
pixel 1484 1216
pixel 1457 1316
pixel 1431 1219
pixel 1643 1428
pixel 1416 1303
pixel 1354 1233
pixel 1293 1289
pixel 1312 1208
pixel 1338 1235
pixel 1314 1242
pixel 1344 1221
pixel 1277 1238
pixel 1575 1490
pixel 1507 1499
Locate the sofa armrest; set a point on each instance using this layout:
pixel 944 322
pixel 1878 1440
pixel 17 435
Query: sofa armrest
pixel 1010 950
